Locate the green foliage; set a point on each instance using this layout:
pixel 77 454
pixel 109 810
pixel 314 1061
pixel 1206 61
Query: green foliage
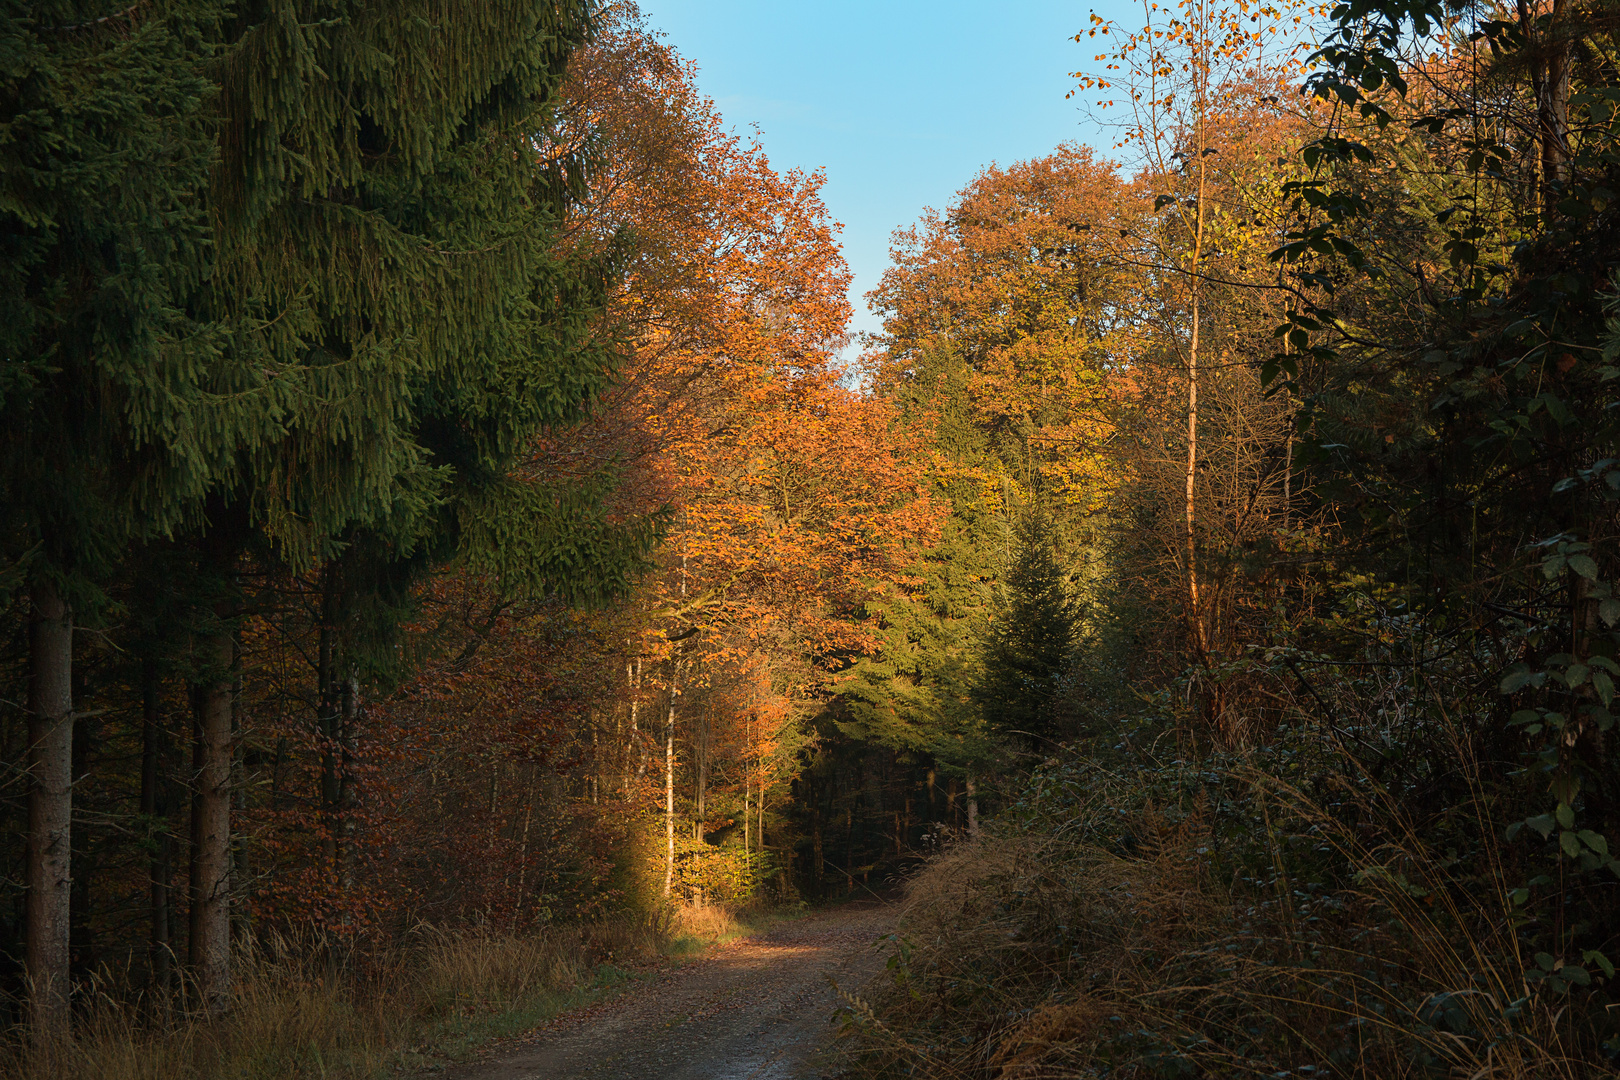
pixel 390 219
pixel 1029 645
pixel 914 694
pixel 111 435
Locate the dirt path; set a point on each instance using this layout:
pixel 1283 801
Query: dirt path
pixel 756 1009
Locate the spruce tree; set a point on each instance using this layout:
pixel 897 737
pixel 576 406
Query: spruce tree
pixel 105 150
pixel 1029 645
pixel 915 694
pixel 387 204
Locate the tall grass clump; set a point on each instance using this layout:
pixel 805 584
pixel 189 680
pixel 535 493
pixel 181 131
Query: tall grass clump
pixel 1297 908
pixel 313 1006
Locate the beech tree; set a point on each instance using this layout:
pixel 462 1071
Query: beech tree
pixel 791 499
pixel 1193 94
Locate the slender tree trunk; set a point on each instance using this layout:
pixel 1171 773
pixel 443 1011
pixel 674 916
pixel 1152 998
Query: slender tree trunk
pixel 210 939
pixel 972 809
pixel 748 779
pixel 81 941
pixel 702 799
pixel 50 812
pixel 1549 78
pixel 630 695
pixel 240 868
pixel 347 787
pixel 1195 607
pixel 1195 614
pixel 1288 473
pixel 818 865
pixel 849 847
pixel 330 723
pixel 669 779
pixel 1554 112
pixel 635 731
pixel 155 809
pixel 523 851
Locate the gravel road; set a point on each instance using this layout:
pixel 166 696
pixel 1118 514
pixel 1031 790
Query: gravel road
pixel 756 1009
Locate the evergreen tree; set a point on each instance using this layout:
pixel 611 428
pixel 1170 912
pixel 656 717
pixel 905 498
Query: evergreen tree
pixel 914 693
pixel 103 240
pixel 387 204
pixel 1029 646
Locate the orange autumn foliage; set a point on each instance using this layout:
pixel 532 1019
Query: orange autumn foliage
pixel 1027 284
pixel 793 496
pixel 493 783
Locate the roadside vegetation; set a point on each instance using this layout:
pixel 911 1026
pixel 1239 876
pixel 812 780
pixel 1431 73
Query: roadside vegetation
pixel 435 492
pixel 1324 784
pixel 315 1007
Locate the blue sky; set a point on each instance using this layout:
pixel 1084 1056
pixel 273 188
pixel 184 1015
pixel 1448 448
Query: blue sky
pixel 901 102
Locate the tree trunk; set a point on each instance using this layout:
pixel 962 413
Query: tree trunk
pixel 1288 473
pixel 347 788
pixel 972 809
pixel 702 800
pixel 635 732
pixel 669 783
pixel 523 853
pixel 50 812
pixel 1195 612
pixel 849 847
pixel 155 809
pixel 748 780
pixel 329 721
pixel 818 866
pixel 1549 78
pixel 210 944
pixel 630 695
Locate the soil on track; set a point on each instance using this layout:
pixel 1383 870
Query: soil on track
pixel 756 1009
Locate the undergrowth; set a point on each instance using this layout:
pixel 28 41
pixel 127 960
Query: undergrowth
pixel 1280 911
pixel 309 1008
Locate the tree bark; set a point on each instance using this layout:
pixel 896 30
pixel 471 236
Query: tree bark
pixel 329 719
pixel 50 812
pixel 635 731
pixel 347 789
pixel 849 847
pixel 210 941
pixel 669 782
pixel 1549 78
pixel 819 864
pixel 972 809
pixel 1195 607
pixel 748 781
pixel 702 800
pixel 155 809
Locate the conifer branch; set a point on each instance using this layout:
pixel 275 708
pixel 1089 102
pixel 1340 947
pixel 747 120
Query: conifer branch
pixel 94 22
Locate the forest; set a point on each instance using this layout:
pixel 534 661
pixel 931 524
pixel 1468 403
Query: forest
pixel 451 544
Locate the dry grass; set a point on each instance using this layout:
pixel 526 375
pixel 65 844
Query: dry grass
pixel 708 923
pixel 1040 953
pixel 304 1009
